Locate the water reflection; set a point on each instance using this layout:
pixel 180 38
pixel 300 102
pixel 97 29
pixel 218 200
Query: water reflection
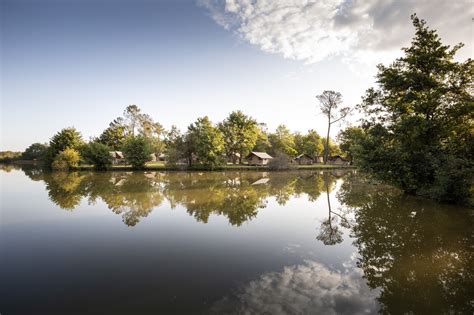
pixel 235 195
pixel 308 288
pixel 419 253
pixel 408 255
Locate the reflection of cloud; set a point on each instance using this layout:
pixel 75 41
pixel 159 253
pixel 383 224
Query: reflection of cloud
pixel 309 288
pixel 311 30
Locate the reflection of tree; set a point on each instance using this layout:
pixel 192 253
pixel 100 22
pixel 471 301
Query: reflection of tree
pixel 235 195
pixel 418 252
pixel 329 232
pixel 65 189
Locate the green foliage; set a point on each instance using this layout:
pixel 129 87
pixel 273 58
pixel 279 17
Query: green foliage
pixel 240 133
pixel 97 154
pixel 420 120
pixel 262 144
pixel 9 156
pixel 137 151
pixel 66 159
pixel 310 143
pixel 280 162
pixel 35 151
pixel 282 141
pixel 133 123
pixel 115 135
pixel 175 147
pixel 205 142
pixel 67 138
pixel 350 142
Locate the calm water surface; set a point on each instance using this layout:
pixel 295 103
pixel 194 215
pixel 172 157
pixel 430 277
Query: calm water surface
pixel 228 243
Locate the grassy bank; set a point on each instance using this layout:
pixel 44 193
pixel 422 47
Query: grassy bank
pixel 160 166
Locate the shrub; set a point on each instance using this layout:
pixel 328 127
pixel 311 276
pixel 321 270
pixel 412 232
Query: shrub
pixel 36 151
pixel 137 151
pixel 280 162
pixel 66 159
pixel 98 154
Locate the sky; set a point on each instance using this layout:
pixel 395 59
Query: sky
pixel 81 62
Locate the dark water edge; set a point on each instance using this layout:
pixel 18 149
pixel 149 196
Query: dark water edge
pixel 299 242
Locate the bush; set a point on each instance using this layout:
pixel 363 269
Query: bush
pixel 137 151
pixel 98 154
pixel 36 151
pixel 66 159
pixel 280 162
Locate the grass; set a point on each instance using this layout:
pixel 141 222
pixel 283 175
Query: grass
pixel 163 167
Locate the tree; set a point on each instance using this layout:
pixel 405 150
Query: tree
pixel 350 141
pixel 240 133
pixel 282 141
pixel 310 143
pixel 329 102
pixel 98 154
pixel 420 120
pixel 137 151
pixel 262 144
pixel 35 151
pixel 175 146
pixel 206 142
pixel 115 135
pixel 64 139
pixel 67 138
pixel 66 159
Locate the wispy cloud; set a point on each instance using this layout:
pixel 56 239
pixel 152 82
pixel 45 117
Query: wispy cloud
pixel 312 30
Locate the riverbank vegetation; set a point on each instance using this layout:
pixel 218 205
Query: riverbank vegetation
pixel 417 131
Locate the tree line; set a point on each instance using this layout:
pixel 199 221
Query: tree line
pixel 417 132
pixel 204 144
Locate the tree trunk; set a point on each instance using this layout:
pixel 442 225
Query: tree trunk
pixel 326 148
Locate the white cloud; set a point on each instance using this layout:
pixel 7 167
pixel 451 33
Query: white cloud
pixel 362 30
pixel 309 288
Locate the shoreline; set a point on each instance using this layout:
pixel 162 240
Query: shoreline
pixel 163 167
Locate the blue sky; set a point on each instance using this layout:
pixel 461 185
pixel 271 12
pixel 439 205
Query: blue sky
pixel 80 63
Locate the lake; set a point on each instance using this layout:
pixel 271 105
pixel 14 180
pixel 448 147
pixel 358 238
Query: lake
pixel 299 242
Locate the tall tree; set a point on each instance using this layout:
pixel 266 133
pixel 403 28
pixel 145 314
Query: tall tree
pixel 329 102
pixel 240 135
pixel 115 135
pixel 282 141
pixel 205 142
pixel 420 120
pixel 174 146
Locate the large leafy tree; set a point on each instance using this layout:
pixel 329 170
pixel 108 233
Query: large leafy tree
pixel 310 143
pixel 64 139
pixel 240 133
pixel 205 142
pixel 350 142
pixel 329 104
pixel 35 151
pixel 115 135
pixel 420 120
pixel 175 149
pixel 97 154
pixel 133 123
pixel 282 141
pixel 137 151
pixel 67 138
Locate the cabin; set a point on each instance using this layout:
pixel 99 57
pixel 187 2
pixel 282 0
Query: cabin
pixel 258 158
pixel 303 159
pixel 117 157
pixel 338 160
